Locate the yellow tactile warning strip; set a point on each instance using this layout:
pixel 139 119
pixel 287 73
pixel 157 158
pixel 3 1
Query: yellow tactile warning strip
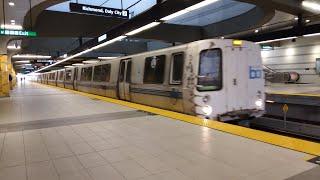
pixel 294 94
pixel 309 157
pixel 270 138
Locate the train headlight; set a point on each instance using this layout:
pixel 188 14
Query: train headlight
pixel 259 103
pixel 207 110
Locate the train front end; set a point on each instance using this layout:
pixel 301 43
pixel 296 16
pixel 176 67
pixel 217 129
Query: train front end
pixel 229 81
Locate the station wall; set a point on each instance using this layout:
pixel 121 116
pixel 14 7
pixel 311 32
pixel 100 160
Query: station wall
pixel 299 56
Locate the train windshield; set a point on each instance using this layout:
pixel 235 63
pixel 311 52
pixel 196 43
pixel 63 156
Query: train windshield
pixel 210 70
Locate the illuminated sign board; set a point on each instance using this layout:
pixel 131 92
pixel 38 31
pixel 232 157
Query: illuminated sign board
pixel 98 10
pixel 7 32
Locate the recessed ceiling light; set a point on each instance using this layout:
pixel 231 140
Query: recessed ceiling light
pixel 308 20
pixel 296 18
pixel 311 5
pixel 256 31
pixel 11 3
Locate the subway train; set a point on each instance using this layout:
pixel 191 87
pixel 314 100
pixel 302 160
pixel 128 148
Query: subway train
pixel 218 79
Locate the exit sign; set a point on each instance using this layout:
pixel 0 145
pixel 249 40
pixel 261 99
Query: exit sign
pixel 7 32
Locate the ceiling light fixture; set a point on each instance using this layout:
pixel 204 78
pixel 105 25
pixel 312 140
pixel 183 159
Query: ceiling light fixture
pixel 143 28
pixel 275 40
pixel 27 61
pixel 311 5
pixel 30 56
pixel 256 31
pixel 11 26
pixel 83 52
pixel 13 47
pixel 189 9
pixel 308 20
pixel 106 58
pixel 90 61
pixel 68 66
pixel 77 64
pixel 13 22
pixel 311 35
pixel 11 3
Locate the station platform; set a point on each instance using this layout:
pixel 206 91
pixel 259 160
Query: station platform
pixel 55 134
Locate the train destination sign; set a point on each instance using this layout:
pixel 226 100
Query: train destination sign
pixel 7 32
pixel 98 10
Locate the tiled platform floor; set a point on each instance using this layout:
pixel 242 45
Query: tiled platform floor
pixel 143 148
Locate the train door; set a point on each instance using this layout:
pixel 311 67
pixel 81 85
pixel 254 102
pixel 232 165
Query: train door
pixel 237 78
pixel 124 79
pixel 75 78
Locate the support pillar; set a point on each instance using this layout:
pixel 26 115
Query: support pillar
pixel 4 76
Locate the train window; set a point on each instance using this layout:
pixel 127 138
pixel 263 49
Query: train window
pixel 102 73
pixel 210 70
pixel 68 75
pixel 154 69
pixel 86 74
pixel 61 75
pixel 97 73
pixel 128 75
pixel 122 69
pixel 176 68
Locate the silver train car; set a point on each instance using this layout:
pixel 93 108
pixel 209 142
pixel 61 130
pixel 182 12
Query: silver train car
pixel 214 79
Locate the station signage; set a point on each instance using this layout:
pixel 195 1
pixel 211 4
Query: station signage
pixel 7 32
pixel 98 10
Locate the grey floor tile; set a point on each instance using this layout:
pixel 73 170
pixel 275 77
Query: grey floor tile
pixel 92 160
pixel 13 173
pixel 40 171
pixel 131 169
pixel 67 165
pixel 105 172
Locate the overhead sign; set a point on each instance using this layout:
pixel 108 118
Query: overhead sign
pixel 98 10
pixel 7 32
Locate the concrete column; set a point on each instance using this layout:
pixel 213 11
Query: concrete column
pixel 4 76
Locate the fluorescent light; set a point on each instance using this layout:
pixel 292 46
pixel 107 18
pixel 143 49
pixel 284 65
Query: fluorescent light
pixel 11 3
pixel 106 58
pixel 83 52
pixel 68 66
pixel 310 35
pixel 201 4
pixel 90 61
pixel 143 28
pixel 275 40
pixel 27 61
pixel 102 37
pixel 77 64
pixel 174 15
pixel 108 42
pixel 189 9
pixel 30 56
pixel 311 5
pixel 13 47
pixel 11 26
